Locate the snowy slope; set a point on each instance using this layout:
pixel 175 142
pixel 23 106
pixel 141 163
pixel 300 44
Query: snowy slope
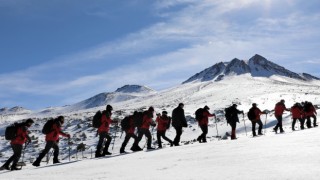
pixel 293 155
pixel 237 87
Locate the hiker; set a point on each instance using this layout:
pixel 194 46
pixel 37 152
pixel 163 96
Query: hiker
pixel 130 134
pixel 17 144
pixel 232 119
pixel 297 114
pixel 103 132
pixel 178 121
pixel 310 112
pixel 163 124
pixel 256 119
pixel 52 140
pixel 278 112
pixel 144 129
pixel 203 120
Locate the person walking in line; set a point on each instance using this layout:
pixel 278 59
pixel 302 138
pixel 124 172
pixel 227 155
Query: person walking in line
pixel 203 121
pixel 163 122
pixel 178 122
pixel 231 114
pixel 310 112
pixel 144 129
pixel 130 134
pixel 278 112
pixel 103 132
pixel 52 140
pixel 256 113
pixel 21 138
pixel 297 114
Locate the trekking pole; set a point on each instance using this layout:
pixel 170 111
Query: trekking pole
pixel 24 149
pixel 245 127
pixel 115 135
pixel 69 149
pixel 49 156
pixel 216 126
pixel 265 124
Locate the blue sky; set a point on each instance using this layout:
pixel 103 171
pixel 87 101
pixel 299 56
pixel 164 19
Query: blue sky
pixel 55 53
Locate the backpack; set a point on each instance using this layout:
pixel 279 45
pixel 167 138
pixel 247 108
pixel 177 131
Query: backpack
pixel 125 124
pixel 199 114
pixel 138 118
pixel 251 114
pixel 96 120
pixel 47 127
pixel 228 113
pixel 11 131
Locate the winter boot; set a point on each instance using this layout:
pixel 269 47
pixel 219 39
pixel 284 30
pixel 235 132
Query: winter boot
pixel 254 134
pixel 36 163
pixel 199 139
pixel 5 166
pixel 56 161
pixel 171 143
pixel 106 153
pixel 122 150
pixel 150 148
pixel 14 167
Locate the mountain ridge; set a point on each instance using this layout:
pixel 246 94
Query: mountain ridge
pixel 257 66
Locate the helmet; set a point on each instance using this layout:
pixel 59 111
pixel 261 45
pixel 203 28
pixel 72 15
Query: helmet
pixel 254 104
pixel 164 112
pixel 206 107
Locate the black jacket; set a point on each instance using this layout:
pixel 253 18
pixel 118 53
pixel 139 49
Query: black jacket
pixel 178 118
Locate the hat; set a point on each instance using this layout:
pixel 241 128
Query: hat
pixel 29 122
pixel 206 107
pixel 254 104
pixel 282 100
pixel 181 104
pixel 151 108
pixel 164 112
pixel 61 119
pixel 109 108
pixel 234 105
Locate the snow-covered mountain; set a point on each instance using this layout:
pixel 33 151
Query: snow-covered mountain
pixel 134 89
pixel 257 66
pixel 238 86
pixel 122 94
pixel 14 110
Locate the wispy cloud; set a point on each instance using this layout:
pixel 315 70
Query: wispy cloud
pixel 192 37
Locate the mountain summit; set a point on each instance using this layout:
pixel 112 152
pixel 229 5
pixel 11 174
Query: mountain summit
pixel 257 66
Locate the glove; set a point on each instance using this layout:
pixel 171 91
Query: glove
pixel 68 136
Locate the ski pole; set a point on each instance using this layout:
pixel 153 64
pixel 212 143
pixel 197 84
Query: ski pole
pixel 245 127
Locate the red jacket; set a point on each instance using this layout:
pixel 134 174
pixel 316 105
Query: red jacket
pixel 279 109
pixel 257 113
pixel 296 112
pixel 131 128
pixel 56 131
pixel 311 111
pixel 205 118
pixel 22 136
pixel 163 122
pixel 147 121
pixel 105 122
